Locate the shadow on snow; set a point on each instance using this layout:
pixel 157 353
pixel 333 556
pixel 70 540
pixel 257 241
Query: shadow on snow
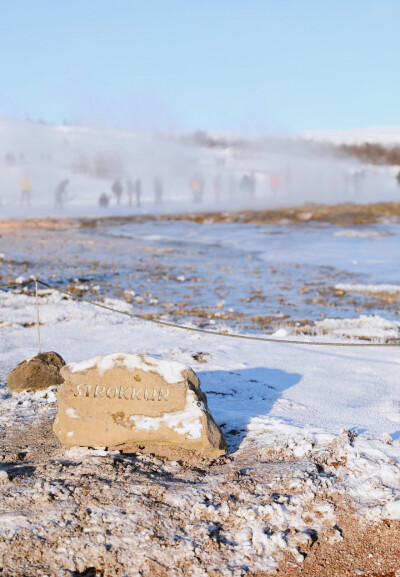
pixel 235 397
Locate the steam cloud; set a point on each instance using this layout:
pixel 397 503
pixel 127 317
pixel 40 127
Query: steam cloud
pixel 177 172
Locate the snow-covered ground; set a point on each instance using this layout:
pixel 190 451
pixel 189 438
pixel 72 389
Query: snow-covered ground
pixel 304 424
pixel 386 136
pixel 335 408
pixel 272 388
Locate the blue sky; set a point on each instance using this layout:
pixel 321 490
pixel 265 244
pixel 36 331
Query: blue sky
pixel 207 64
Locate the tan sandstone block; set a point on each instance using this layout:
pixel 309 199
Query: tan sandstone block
pixel 127 401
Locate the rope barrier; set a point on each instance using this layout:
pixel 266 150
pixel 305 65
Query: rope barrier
pixel 17 285
pixel 201 331
pixel 214 333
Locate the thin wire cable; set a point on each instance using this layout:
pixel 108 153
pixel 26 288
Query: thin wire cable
pixel 214 333
pixel 17 285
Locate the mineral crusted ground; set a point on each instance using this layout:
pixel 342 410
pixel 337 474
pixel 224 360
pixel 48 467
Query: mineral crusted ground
pixel 311 483
pixel 89 512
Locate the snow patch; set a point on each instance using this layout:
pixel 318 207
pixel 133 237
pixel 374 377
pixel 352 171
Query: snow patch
pixel 369 288
pixel 365 326
pixel 170 371
pixel 359 233
pixel 186 422
pixel 72 413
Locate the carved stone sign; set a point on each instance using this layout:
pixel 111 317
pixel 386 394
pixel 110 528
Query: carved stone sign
pixel 129 401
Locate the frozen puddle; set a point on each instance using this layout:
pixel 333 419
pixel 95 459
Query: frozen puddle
pixel 241 277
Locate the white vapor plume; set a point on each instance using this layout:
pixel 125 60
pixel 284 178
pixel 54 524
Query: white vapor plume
pixel 48 170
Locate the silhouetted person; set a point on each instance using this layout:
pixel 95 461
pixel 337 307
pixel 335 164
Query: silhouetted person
pixel 138 191
pixel 10 159
pixel 117 189
pixel 130 189
pixel 287 179
pixel 158 190
pixel 217 187
pixel 252 185
pixel 197 186
pixel 25 191
pixel 248 185
pixel 274 182
pixel 346 183
pixel 358 182
pixel 232 187
pixel 245 185
pixel 104 200
pixel 60 193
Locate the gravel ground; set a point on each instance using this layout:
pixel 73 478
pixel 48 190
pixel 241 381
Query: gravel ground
pixel 89 512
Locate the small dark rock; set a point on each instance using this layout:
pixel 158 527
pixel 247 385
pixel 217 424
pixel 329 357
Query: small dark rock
pixel 39 372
